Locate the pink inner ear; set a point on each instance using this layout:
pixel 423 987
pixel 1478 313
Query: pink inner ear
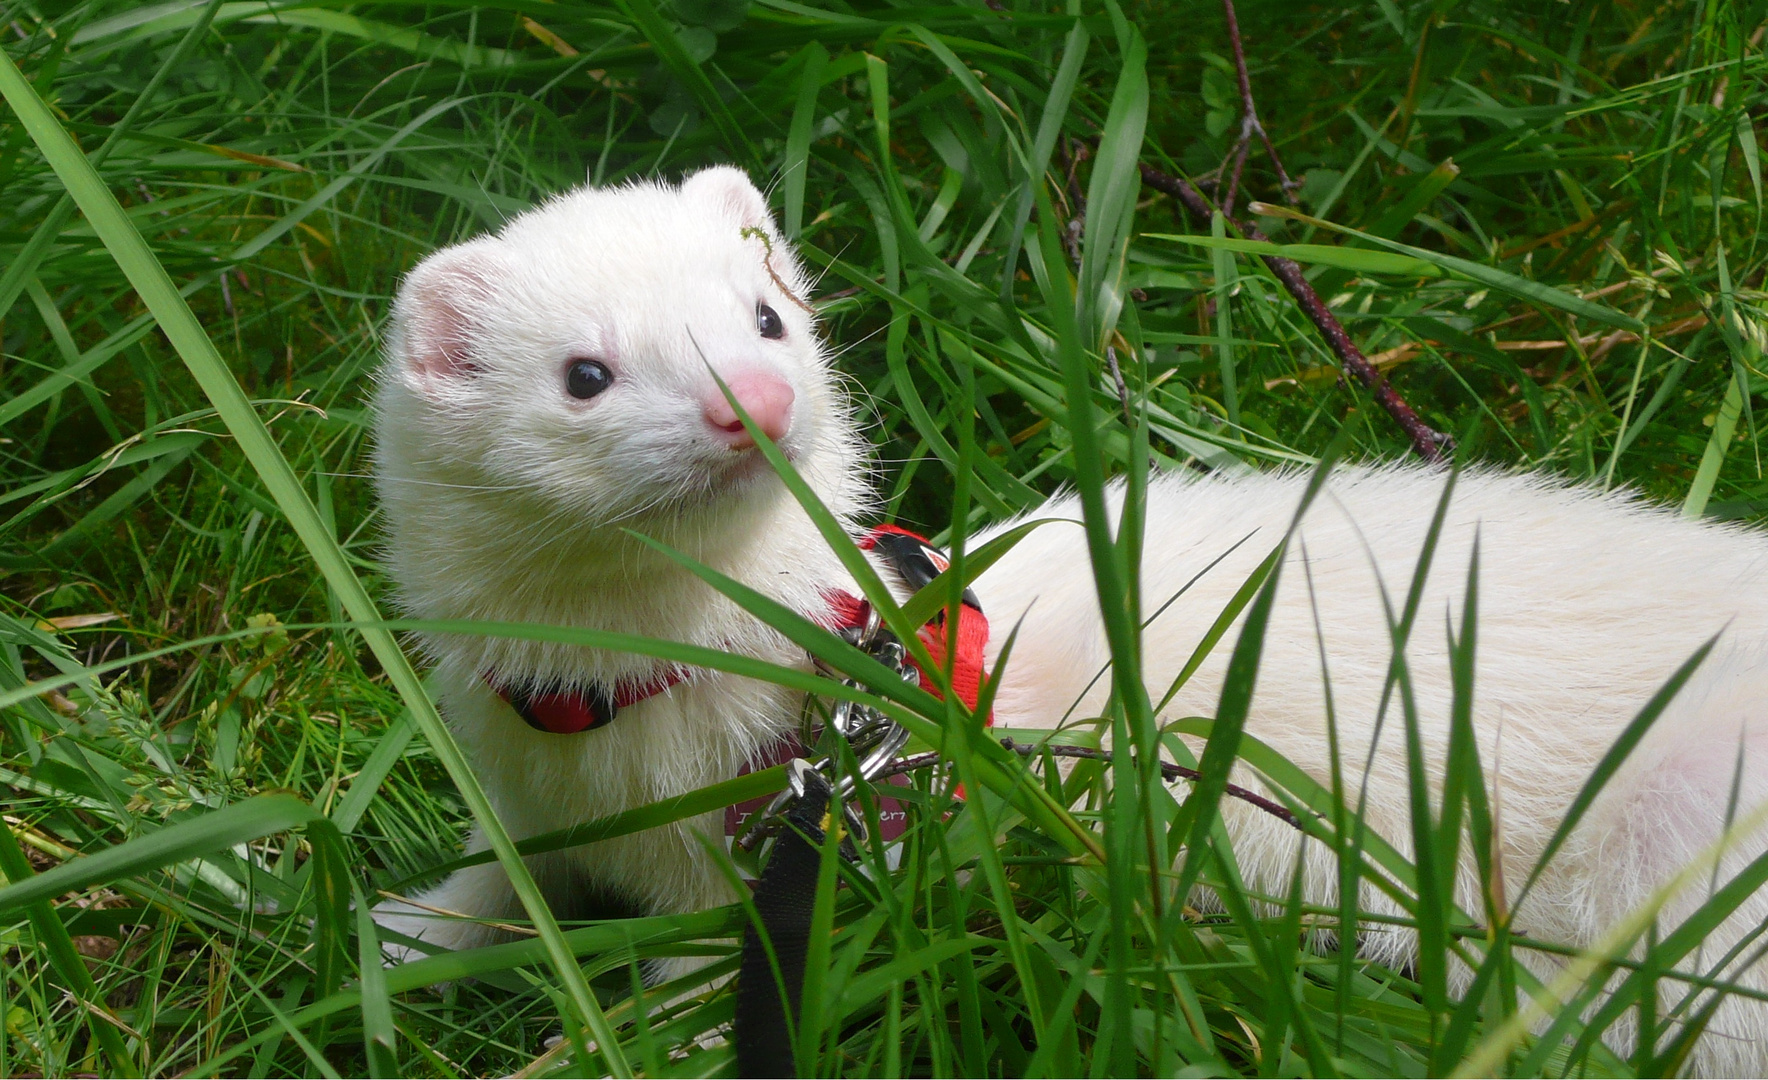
pixel 435 315
pixel 438 342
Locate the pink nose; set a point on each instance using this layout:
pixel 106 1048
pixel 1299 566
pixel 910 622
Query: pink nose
pixel 766 398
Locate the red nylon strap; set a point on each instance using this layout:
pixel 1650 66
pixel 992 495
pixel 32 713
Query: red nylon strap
pixel 972 635
pixel 848 612
pixel 568 711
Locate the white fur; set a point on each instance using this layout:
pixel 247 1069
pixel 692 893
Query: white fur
pixel 505 500
pixel 1587 604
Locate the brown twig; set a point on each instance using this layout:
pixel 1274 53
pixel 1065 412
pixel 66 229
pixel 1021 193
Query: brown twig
pixel 1249 121
pixel 1079 152
pixel 1123 391
pixel 1168 771
pixel 910 764
pixel 1427 442
pixel 1070 153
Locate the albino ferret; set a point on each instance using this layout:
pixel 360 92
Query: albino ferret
pixel 548 387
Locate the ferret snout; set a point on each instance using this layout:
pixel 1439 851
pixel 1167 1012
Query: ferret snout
pixel 767 399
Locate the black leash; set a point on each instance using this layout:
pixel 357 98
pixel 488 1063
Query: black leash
pixel 785 899
pixel 785 895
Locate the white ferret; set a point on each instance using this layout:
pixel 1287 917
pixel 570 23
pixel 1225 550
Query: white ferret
pixel 549 387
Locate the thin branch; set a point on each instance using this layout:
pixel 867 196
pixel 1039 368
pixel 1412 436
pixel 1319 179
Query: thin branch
pixel 1427 442
pixel 1239 159
pixel 910 764
pixel 1123 391
pixel 1071 153
pixel 1168 771
pixel 1249 121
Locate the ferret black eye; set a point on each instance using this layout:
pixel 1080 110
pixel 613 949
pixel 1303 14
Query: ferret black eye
pixel 767 320
pixel 585 379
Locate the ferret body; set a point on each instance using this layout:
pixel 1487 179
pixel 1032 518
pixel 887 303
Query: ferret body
pixel 1587 604
pixel 550 387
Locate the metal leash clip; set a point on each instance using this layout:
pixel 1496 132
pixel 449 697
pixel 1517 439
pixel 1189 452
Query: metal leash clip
pixel 874 739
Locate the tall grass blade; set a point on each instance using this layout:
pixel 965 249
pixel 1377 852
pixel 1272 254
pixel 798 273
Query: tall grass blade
pixel 379 1034
pixel 180 326
pixel 70 967
pixel 1485 275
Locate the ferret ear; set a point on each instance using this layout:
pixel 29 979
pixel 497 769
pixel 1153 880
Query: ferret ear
pixel 438 313
pixel 729 190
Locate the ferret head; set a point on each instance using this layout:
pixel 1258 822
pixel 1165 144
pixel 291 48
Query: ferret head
pixel 566 370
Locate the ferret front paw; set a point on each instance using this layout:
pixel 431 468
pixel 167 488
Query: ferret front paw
pixel 434 927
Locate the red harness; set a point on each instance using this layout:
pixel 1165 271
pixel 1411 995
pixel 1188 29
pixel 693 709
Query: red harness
pixel 568 710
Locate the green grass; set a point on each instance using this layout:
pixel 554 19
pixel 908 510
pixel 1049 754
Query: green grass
pixel 189 314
